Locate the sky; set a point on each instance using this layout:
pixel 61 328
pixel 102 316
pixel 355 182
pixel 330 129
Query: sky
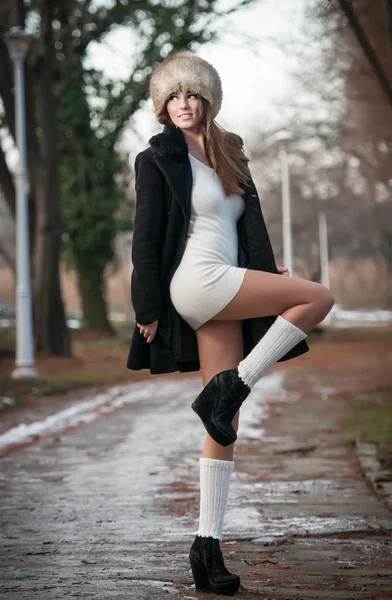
pixel 253 69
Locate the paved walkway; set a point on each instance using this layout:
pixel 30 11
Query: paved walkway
pixel 108 509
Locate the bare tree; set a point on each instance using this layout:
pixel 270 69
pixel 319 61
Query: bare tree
pixel 340 160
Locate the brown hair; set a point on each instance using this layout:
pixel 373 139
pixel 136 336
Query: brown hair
pixel 224 150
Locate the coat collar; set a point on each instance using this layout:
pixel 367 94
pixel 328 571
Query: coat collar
pixel 170 152
pixel 170 142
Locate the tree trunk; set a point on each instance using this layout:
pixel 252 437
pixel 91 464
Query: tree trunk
pixel 92 292
pixel 50 327
pixel 7 235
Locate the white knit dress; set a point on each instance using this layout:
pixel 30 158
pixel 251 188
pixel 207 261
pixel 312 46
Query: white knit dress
pixel 208 276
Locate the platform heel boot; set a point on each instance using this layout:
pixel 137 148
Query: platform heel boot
pixel 219 402
pixel 208 568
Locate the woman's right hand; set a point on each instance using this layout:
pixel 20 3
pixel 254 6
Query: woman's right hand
pixel 148 331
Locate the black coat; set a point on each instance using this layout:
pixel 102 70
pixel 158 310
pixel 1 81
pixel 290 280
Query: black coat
pixel 163 208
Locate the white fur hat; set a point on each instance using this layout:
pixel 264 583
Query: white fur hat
pixel 187 72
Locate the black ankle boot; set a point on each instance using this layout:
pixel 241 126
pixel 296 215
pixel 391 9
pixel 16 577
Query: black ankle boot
pixel 208 568
pixel 218 404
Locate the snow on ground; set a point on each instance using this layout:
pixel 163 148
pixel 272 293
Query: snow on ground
pixel 157 444
pixel 117 397
pixel 375 317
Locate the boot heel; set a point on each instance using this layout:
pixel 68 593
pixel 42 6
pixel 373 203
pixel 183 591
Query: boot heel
pixel 200 575
pixel 208 568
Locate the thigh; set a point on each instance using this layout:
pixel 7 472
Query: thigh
pixel 266 294
pixel 220 345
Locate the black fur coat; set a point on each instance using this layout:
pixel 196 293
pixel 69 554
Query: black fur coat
pixel 163 207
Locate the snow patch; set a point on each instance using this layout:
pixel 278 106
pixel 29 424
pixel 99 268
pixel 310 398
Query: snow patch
pixel 80 412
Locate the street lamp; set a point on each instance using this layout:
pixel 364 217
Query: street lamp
pixel 284 138
pixel 324 258
pixel 18 42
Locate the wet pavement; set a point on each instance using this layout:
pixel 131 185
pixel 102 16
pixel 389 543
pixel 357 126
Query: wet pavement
pixel 108 508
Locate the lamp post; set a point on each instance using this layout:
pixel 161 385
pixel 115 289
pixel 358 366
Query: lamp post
pixel 18 42
pixel 284 138
pixel 324 258
pixel 323 237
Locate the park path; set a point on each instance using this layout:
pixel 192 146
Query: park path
pixel 108 508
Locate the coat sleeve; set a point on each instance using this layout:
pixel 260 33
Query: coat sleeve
pixel 148 236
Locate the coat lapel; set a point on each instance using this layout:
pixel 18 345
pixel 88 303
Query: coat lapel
pixel 170 153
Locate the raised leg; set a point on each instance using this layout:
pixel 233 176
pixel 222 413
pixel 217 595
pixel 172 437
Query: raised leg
pixel 303 303
pixel 298 305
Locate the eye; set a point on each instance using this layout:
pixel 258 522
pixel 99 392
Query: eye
pixel 172 96
pixel 192 95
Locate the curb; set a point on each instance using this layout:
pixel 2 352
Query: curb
pixel 380 481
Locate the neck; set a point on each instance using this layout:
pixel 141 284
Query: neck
pixel 194 139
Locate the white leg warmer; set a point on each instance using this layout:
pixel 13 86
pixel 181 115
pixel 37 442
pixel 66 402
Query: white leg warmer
pixel 215 476
pixel 280 338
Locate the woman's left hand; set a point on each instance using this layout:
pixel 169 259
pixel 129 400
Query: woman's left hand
pixel 283 271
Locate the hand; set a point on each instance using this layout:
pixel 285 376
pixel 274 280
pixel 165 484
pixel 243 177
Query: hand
pixel 283 271
pixel 148 331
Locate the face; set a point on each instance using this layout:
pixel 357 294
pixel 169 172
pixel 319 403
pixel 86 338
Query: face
pixel 185 110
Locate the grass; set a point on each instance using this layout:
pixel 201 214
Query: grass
pixel 96 361
pixel 370 419
pixel 59 383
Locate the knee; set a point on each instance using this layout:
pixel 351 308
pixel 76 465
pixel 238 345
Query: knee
pixel 325 300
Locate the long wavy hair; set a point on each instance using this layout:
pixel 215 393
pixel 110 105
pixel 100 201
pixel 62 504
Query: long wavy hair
pixel 224 150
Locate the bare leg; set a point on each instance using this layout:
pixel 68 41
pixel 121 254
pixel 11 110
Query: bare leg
pixel 220 347
pixel 303 303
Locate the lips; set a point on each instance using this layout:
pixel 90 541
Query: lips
pixel 185 116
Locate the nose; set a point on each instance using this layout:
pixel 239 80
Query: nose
pixel 183 100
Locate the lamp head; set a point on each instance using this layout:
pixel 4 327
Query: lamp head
pixel 18 41
pixel 284 138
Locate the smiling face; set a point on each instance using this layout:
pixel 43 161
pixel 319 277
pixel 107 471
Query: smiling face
pixel 185 110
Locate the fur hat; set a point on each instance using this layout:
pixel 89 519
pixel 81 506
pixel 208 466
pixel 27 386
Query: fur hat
pixel 187 72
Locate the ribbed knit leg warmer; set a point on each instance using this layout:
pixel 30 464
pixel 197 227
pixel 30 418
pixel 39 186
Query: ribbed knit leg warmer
pixel 280 338
pixel 215 476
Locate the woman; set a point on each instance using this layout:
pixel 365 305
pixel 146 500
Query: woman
pixel 206 291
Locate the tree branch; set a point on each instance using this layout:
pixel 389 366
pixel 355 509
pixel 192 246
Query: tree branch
pixel 366 46
pixel 234 9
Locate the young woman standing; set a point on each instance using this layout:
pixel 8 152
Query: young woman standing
pixel 205 287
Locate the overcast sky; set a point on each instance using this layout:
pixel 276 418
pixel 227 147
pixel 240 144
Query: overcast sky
pixel 254 71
